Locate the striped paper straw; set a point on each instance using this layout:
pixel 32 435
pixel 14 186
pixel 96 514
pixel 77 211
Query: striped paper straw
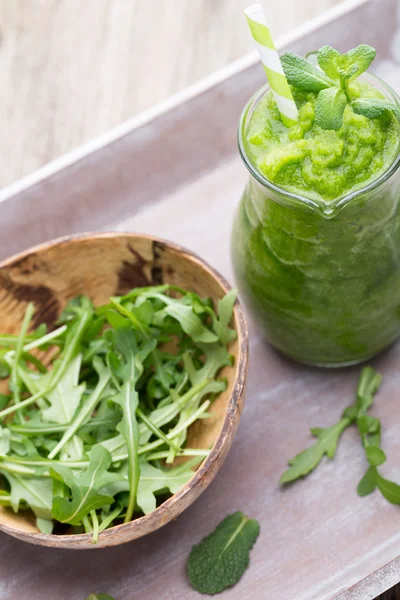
pixel 272 65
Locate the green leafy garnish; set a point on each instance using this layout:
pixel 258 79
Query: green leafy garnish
pixel 220 560
pixel 327 439
pixel 85 437
pixel 373 107
pixel 303 75
pixel 331 83
pixel 369 429
pixel 309 459
pixel 330 108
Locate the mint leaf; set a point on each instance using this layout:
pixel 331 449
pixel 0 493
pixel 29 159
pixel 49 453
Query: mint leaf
pixel 361 57
pixel 373 107
pixel 307 460
pixel 330 107
pixel 303 75
pixel 330 61
pixel 220 560
pixel 368 483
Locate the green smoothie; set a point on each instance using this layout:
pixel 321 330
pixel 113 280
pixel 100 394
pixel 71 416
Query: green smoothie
pixel 322 164
pixel 316 239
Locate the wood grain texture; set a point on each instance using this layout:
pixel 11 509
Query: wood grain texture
pixel 71 70
pixel 101 266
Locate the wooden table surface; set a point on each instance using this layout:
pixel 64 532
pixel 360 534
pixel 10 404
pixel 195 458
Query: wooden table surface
pixel 71 70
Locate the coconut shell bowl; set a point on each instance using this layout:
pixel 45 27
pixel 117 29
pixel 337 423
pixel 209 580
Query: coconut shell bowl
pixel 101 265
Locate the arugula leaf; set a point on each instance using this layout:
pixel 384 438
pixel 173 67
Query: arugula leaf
pixel 87 407
pixel 153 480
pixel 5 441
pixel 329 108
pixel 388 489
pixel 189 321
pixel 374 107
pixel 220 560
pixel 85 488
pixel 307 460
pixel 36 492
pixel 375 456
pixel 302 75
pixel 222 322
pixel 66 396
pixel 368 483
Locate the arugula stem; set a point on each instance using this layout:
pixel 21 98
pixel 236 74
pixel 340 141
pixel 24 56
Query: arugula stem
pixel 186 452
pixel 178 429
pixel 15 387
pixel 87 524
pixel 95 522
pixel 5 500
pixel 110 518
pixel 50 428
pixel 154 429
pixel 37 343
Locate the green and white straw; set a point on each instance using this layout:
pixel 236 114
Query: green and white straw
pixel 272 65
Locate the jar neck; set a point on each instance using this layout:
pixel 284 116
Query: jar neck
pixel 327 209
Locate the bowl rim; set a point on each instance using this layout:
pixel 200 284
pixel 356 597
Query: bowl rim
pixel 210 465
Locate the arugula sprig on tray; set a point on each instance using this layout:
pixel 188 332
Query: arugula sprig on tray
pixel 84 439
pixel 369 429
pixel 331 82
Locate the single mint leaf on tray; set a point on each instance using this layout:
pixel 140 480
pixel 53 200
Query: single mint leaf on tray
pixel 221 558
pixel 330 107
pixel 374 107
pixel 307 460
pixel 303 75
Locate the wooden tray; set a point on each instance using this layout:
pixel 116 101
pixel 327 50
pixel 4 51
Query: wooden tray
pixel 175 172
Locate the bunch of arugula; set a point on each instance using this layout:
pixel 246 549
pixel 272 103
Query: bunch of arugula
pixel 369 429
pixel 331 81
pixel 85 436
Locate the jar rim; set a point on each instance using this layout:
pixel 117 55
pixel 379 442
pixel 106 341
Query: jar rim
pixel 326 209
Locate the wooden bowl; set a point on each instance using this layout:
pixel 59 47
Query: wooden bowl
pixel 101 265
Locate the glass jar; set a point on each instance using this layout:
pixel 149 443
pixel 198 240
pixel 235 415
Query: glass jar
pixel 321 280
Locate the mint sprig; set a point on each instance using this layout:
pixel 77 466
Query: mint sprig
pixel 331 82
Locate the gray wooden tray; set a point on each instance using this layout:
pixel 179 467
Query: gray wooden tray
pixel 175 172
